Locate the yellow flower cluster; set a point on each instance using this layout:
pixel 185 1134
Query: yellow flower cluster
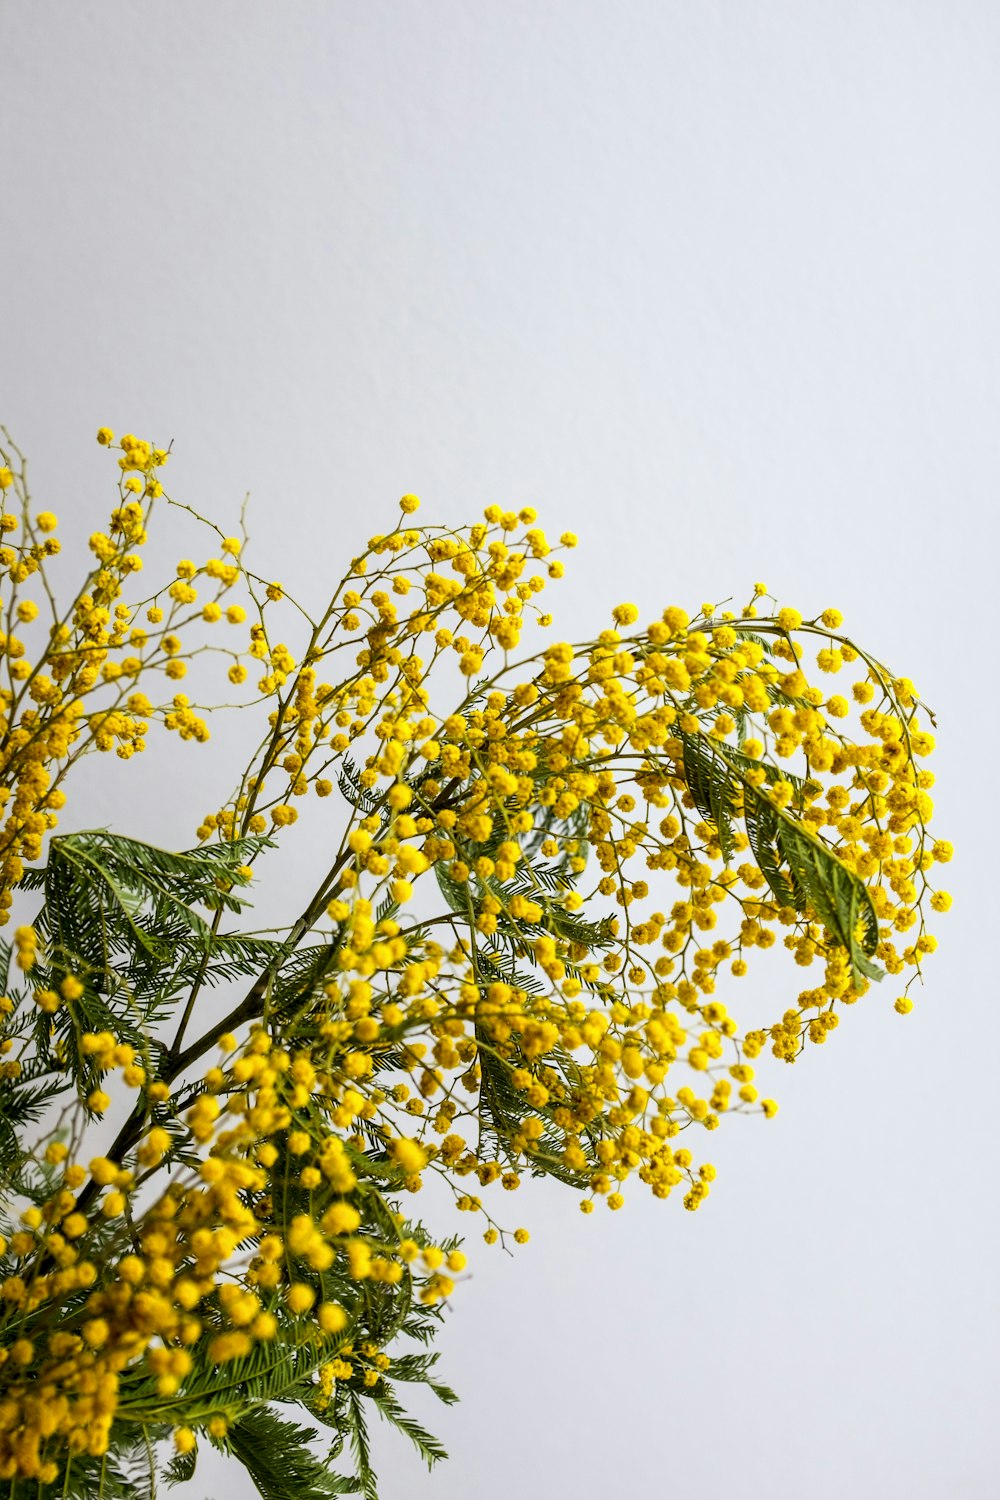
pixel 99 1286
pixel 562 756
pixel 71 670
pixel 612 825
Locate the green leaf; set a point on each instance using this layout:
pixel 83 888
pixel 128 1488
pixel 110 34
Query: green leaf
pixel 360 1446
pixel 839 898
pixel 713 791
pixel 181 1467
pixel 277 1456
pixel 111 901
pixel 800 869
pixel 428 1446
pixel 761 819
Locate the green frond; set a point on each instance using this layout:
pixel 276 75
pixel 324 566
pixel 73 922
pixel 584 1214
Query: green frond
pixel 761 819
pixel 349 781
pixel 277 1456
pixel 128 919
pixel 113 902
pixel 181 1467
pixel 801 870
pixel 503 1108
pixel 429 1447
pixel 357 1434
pixel 23 1102
pixel 128 1471
pixel 712 788
pixel 839 898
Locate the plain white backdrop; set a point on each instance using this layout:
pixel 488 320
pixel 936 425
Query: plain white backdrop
pixel 713 284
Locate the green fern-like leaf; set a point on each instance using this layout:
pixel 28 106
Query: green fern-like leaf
pixel 181 1467
pixel 357 1432
pixel 428 1446
pixel 712 788
pixel 277 1456
pixel 803 872
pixel 839 898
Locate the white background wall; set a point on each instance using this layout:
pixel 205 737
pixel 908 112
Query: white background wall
pixel 714 285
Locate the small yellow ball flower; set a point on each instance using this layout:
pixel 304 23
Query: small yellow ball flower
pixel 299 1298
pixel 331 1317
pixel 409 1155
pixel 105 436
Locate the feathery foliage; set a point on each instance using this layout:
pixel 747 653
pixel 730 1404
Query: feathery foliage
pixel 211 1135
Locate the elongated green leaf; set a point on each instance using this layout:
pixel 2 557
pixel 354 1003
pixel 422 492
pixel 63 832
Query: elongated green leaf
pixel 713 791
pixel 427 1445
pixel 277 1457
pixel 360 1446
pixel 761 819
pixel 839 898
pixel 800 869
pixel 181 1467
